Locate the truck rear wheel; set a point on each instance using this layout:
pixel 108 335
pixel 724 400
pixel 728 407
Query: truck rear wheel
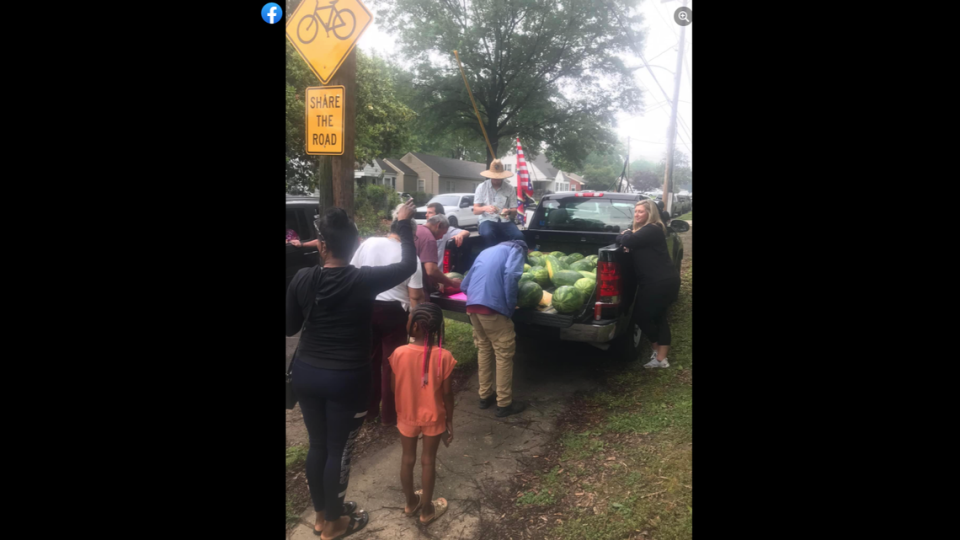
pixel 452 220
pixel 626 348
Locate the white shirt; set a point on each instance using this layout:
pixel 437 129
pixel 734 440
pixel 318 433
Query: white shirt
pixel 505 197
pixel 442 243
pixel 380 251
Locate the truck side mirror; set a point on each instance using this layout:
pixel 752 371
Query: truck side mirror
pixel 679 226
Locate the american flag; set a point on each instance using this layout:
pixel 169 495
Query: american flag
pixel 524 187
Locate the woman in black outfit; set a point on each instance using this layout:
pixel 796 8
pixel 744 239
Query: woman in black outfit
pixel 331 373
pixel 658 280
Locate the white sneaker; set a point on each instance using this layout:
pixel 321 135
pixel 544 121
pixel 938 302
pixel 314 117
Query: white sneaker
pixel 657 364
pixel 653 355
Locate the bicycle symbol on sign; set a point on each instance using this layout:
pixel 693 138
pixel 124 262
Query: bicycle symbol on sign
pixel 307 27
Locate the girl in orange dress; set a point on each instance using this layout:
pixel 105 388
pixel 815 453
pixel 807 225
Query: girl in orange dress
pixel 421 386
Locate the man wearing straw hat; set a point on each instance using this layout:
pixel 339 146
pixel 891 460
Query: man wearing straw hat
pixel 495 201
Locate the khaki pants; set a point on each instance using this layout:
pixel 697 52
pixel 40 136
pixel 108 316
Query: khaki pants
pixel 494 336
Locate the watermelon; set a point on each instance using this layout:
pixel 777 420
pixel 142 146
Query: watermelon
pixel 567 299
pixel 558 254
pixel 526 268
pixel 584 266
pixel 568 260
pixel 585 286
pixel 574 257
pixel 454 275
pixel 526 276
pixel 593 258
pixel 565 278
pixel 541 276
pixel 536 261
pixel 589 275
pixel 529 295
pixel 552 265
pixel 535 254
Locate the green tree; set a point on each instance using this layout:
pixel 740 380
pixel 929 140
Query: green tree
pixel 602 169
pixel 648 176
pixel 645 175
pixel 546 70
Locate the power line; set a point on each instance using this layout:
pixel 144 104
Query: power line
pixel 665 22
pixel 661 54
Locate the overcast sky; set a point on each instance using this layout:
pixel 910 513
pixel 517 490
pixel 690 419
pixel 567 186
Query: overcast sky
pixel 647 131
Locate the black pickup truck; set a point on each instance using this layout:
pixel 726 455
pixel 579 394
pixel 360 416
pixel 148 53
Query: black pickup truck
pixel 585 223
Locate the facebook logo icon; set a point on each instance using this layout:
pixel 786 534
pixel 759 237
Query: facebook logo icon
pixel 271 13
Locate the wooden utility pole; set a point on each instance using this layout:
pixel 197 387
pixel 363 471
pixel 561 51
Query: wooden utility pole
pixel 343 180
pixel 672 128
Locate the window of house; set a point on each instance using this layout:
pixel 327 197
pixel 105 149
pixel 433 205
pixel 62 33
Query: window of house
pixel 420 184
pixel 508 167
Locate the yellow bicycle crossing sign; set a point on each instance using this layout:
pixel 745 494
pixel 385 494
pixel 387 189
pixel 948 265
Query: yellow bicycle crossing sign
pixel 325 31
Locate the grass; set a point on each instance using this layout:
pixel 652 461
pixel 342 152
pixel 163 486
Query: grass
pixel 298 495
pixel 459 341
pixel 550 491
pixel 629 473
pixel 687 217
pixel 296 455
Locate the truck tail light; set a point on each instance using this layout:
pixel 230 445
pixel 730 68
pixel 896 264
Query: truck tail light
pixel 446 261
pixel 608 290
pixel 582 194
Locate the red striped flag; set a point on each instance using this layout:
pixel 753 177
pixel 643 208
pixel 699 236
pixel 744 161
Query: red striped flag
pixel 524 187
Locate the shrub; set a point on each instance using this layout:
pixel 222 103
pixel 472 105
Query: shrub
pixel 372 205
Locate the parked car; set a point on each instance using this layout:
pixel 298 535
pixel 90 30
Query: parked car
pixel 301 213
pixel 680 205
pixel 585 223
pixel 458 208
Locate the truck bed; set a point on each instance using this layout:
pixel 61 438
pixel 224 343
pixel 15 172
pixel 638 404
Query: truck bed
pixel 585 243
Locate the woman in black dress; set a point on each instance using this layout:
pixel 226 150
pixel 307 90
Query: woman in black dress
pixel 657 277
pixel 331 371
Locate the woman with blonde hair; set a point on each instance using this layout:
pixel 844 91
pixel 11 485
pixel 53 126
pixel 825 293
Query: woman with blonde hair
pixel 657 278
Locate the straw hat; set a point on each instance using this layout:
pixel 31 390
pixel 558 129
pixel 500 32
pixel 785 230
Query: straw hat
pixel 496 171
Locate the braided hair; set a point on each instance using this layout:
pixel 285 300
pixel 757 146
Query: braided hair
pixel 430 319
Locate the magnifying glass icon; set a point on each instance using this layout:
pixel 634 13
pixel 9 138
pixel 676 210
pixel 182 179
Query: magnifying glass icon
pixel 682 16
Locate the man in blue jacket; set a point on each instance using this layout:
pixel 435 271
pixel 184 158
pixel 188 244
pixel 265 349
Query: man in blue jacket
pixel 491 287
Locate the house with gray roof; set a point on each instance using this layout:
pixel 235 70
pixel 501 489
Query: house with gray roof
pixel 406 177
pixel 436 175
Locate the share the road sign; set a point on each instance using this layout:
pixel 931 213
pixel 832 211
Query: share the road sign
pixel 324 120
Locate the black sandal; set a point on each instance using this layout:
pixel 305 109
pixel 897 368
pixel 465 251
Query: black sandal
pixel 357 523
